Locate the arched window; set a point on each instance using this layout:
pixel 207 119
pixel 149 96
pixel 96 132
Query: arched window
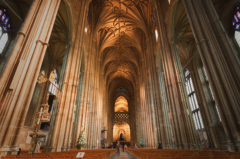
pixel 4 26
pixel 236 25
pixel 193 101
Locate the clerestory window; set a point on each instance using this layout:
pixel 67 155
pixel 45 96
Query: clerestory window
pixel 193 101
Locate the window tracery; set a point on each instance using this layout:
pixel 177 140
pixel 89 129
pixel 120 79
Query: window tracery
pixel 193 101
pixel 4 27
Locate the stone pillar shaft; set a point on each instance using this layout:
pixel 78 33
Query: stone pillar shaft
pixel 221 65
pixel 61 127
pixel 25 76
pixel 183 129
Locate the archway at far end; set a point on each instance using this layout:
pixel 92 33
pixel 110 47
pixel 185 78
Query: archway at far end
pixel 121 128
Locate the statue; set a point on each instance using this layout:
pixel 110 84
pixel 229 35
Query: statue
pixel 37 148
pixel 41 77
pixel 52 76
pixel 121 137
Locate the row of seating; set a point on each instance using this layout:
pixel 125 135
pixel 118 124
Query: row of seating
pixel 89 154
pixel 183 154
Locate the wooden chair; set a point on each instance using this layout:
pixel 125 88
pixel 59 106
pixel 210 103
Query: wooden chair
pixel 205 157
pixel 185 157
pixel 225 157
pixel 164 158
pixel 58 157
pixel 205 153
pixel 25 156
pixel 40 158
pixel 9 156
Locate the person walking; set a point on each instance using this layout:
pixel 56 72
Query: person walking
pixel 123 147
pixel 118 147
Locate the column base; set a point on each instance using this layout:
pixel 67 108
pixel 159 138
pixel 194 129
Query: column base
pixel 232 147
pixel 51 149
pixel 193 147
pixel 238 146
pixel 66 148
pixel 8 151
pixel 180 146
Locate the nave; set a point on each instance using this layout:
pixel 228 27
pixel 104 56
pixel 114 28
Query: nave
pixel 84 74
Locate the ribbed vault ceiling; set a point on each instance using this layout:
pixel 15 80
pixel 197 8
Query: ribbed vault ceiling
pixel 121 104
pixel 59 37
pixel 183 35
pixel 120 29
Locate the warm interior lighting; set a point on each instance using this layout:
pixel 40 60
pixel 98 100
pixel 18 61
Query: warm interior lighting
pixel 156 34
pixel 121 128
pixel 169 1
pixel 121 104
pixel 85 29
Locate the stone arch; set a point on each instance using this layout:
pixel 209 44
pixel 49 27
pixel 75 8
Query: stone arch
pixel 121 126
pixel 121 104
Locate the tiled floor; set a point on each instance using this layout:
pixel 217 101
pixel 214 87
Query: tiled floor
pixel 123 155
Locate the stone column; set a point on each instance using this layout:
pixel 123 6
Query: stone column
pixel 78 107
pixel 93 112
pixel 138 112
pixel 19 79
pixel 220 62
pixel 150 138
pixel 164 102
pixel 192 137
pixel 61 124
pixel 160 115
pixel 143 109
pixel 183 129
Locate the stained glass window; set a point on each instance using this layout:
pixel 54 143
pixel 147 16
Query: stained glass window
pixel 4 27
pixel 236 19
pixel 193 101
pixel 236 24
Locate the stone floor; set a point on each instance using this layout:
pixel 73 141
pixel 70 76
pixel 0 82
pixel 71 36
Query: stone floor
pixel 124 155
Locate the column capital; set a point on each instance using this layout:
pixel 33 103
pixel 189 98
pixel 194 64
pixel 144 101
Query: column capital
pixel 43 43
pixel 21 33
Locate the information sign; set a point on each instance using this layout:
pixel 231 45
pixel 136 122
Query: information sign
pixel 80 154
